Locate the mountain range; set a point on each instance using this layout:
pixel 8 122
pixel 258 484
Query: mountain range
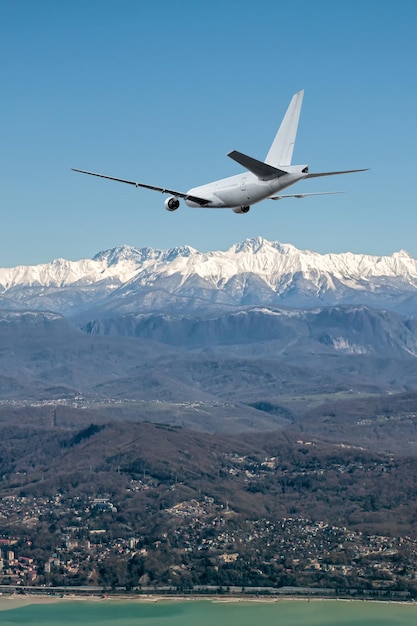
pixel 255 272
pixel 260 325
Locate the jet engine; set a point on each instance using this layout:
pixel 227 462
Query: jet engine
pixel 241 209
pixel 172 203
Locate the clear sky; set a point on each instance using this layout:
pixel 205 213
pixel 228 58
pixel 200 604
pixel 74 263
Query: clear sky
pixel 159 91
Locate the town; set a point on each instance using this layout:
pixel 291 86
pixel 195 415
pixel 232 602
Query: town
pixel 199 543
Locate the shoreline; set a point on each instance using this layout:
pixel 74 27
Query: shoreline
pixel 15 600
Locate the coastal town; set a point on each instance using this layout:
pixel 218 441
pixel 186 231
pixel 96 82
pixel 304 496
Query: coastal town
pixel 201 545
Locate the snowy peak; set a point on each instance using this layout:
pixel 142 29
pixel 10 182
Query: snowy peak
pixel 114 256
pixel 261 245
pixel 121 254
pixel 251 246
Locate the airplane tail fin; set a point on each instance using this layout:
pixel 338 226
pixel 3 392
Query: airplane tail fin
pixel 280 152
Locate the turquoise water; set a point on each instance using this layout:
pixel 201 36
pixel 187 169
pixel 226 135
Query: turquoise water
pixel 205 613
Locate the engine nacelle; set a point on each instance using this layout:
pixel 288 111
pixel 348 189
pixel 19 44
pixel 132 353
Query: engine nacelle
pixel 241 209
pixel 172 203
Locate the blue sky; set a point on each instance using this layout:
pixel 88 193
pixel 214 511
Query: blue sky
pixel 159 91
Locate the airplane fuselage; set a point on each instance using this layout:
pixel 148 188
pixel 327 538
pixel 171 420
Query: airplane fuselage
pixel 241 190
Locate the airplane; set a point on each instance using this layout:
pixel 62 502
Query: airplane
pixel 263 179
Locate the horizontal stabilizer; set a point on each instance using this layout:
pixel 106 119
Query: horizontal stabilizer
pixel 260 169
pixel 303 195
pixel 312 175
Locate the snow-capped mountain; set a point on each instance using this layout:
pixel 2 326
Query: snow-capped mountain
pixel 70 287
pixel 254 272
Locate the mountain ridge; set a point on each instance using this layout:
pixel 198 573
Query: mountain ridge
pixel 255 272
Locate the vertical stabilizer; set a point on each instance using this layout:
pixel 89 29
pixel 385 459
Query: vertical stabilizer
pixel 280 153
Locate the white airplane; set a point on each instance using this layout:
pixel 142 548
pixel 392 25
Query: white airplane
pixel 263 180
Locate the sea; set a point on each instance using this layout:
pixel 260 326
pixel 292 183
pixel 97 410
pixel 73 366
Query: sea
pixel 206 613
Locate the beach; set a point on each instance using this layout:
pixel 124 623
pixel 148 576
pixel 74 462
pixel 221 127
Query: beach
pixel 154 610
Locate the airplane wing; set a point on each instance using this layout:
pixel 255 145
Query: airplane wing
pixel 179 194
pixel 313 175
pixel 303 195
